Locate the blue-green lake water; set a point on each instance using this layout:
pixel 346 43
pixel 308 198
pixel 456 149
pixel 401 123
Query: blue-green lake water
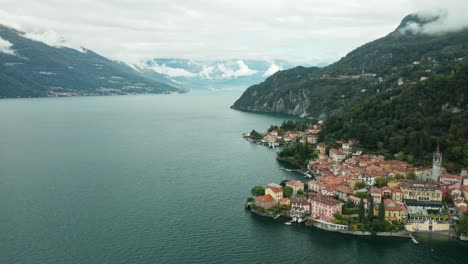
pixel 158 179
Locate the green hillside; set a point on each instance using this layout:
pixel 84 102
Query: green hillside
pixel 396 59
pixel 412 120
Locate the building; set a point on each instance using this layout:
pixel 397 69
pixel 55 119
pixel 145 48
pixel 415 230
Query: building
pixel 312 139
pixel 322 147
pixel 393 210
pixel 296 186
pixel 337 155
pixel 449 179
pixel 324 205
pixel 342 192
pixel 276 193
pixel 437 168
pixel 300 209
pixel 285 202
pixel 397 195
pixel 422 193
pixel 266 201
pixel 274 185
pixel 376 194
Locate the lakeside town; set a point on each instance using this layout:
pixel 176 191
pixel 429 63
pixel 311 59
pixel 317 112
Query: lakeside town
pixel 348 191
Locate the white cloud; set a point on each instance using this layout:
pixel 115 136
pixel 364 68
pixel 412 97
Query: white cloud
pixel 271 70
pixel 5 47
pixel 53 39
pixel 172 72
pixel 230 73
pixel 206 72
pixel 449 19
pixel 302 31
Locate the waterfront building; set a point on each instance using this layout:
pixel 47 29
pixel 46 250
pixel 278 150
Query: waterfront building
pixel 276 193
pixel 285 202
pixel 324 205
pixel 300 209
pixel 393 210
pixel 274 185
pixel 424 194
pixel 266 201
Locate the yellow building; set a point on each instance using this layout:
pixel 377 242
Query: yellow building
pixel 393 210
pixel 276 193
pixel 421 193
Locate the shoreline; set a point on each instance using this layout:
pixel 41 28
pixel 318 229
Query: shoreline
pixel 404 234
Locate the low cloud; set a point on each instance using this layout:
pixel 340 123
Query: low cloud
pixel 52 38
pixel 243 70
pixel 169 71
pixel 5 47
pixel 271 70
pixel 206 72
pixel 439 18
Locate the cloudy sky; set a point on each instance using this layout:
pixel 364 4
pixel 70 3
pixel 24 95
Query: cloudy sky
pixel 305 31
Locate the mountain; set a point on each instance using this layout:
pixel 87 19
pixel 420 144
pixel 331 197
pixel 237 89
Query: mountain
pixel 412 120
pixel 30 68
pixel 213 74
pixel 404 56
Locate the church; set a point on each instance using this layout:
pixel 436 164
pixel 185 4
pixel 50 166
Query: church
pixel 436 170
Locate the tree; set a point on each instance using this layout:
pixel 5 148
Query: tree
pixel 411 176
pixel 283 182
pixel 255 135
pixel 381 181
pixel 258 191
pixel 359 185
pixel 370 207
pixel 401 156
pixel 382 211
pixel 287 191
pixel 361 210
pixel 462 226
pixel 300 192
pixel 361 195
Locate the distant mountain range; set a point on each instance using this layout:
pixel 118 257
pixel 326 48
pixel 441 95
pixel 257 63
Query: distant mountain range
pixel 213 74
pixel 30 68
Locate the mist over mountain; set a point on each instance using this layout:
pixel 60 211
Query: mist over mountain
pixel 213 74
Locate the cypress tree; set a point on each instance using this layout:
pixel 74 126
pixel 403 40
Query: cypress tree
pixel 370 214
pixel 361 211
pixel 382 211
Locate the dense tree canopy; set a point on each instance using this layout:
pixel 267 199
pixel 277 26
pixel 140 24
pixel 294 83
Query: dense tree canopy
pixel 407 123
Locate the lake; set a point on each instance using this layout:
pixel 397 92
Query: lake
pixel 158 179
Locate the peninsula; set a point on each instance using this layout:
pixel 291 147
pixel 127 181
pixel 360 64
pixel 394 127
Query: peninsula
pixel 357 193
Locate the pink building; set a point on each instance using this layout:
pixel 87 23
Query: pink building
pixel 324 206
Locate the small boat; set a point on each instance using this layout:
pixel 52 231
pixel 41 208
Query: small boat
pixel 288 223
pixel 413 239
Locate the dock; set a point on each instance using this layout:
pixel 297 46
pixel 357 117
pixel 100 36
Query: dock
pixel 305 174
